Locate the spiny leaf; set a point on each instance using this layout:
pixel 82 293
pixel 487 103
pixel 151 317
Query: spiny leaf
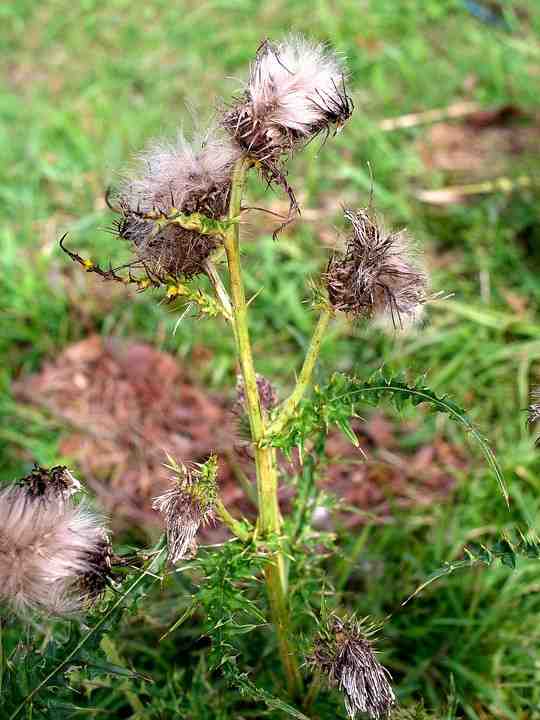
pixel 505 549
pixel 338 401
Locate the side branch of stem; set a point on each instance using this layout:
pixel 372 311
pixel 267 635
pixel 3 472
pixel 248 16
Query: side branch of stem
pixel 290 405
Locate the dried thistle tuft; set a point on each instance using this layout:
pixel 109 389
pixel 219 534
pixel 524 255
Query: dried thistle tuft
pixel 377 276
pixel 296 89
pixel 47 545
pixel 171 180
pixel 344 653
pixel 188 504
pixel 267 392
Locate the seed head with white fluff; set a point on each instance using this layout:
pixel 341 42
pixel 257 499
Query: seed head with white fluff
pixel 48 544
pixel 168 179
pixel 188 504
pixel 296 89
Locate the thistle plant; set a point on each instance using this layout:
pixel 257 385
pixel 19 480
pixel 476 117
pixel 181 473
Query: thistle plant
pixel 180 210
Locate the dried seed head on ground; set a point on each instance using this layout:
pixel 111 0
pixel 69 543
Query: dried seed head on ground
pixel 48 550
pixel 378 276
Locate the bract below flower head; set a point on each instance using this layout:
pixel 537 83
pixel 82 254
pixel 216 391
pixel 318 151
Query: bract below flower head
pixel 378 276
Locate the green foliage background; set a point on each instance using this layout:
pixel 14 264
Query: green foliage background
pixel 84 85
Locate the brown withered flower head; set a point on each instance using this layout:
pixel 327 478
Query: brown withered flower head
pixel 534 409
pixel 53 483
pixel 378 275
pixel 186 505
pixel 343 652
pixel 170 208
pixel 48 545
pixel 160 205
pixel 98 574
pixel 267 392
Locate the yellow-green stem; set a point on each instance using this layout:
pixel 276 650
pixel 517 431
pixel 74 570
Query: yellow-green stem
pixel 304 379
pixel 235 526
pixel 269 521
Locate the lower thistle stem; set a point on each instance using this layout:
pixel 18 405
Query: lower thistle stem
pixel 269 521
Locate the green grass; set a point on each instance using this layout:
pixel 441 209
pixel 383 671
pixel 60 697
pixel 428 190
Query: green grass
pixel 87 83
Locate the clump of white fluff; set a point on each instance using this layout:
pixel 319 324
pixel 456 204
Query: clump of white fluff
pixel 295 90
pixel 299 83
pixel 47 548
pixel 170 178
pixel 181 174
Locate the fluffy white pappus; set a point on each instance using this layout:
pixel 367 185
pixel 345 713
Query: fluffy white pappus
pixel 181 174
pixel 46 549
pixel 299 85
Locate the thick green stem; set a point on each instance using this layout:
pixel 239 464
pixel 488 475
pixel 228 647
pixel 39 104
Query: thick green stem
pixel 269 522
pixel 304 379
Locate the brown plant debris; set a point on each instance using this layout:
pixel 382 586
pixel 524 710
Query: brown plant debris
pixel 125 405
pixel 381 478
pixel 482 145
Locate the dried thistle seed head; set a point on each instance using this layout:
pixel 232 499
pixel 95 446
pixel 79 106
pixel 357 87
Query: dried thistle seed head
pixel 267 393
pixel 171 179
pixel 534 407
pixel 98 576
pixel 55 482
pixel 534 410
pixel 296 89
pixel 188 504
pixel 344 653
pixel 378 275
pixel 46 548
